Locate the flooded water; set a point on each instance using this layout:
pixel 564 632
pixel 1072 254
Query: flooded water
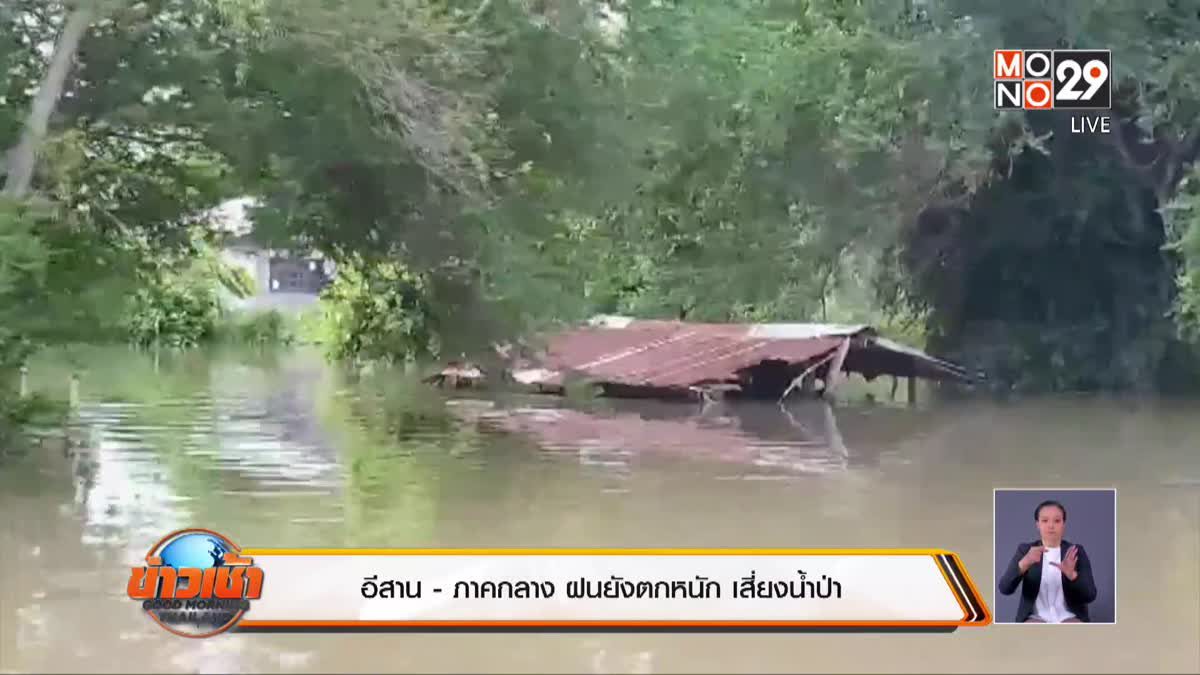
pixel 282 451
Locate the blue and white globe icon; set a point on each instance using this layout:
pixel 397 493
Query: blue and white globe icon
pixel 194 549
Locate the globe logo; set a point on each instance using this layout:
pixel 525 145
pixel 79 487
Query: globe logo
pixel 195 583
pixel 194 549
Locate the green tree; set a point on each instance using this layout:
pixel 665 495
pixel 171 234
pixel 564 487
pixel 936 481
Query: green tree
pixel 1060 273
pixel 529 162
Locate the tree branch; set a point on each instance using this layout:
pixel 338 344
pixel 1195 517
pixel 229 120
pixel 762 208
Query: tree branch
pixel 479 12
pixel 1173 156
pixel 1121 145
pixel 23 158
pixel 1181 156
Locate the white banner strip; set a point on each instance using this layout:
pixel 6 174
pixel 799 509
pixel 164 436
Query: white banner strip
pixel 547 587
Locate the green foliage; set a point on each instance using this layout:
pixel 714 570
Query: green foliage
pixel 23 263
pixel 1188 309
pixel 269 328
pixel 122 178
pixel 24 260
pixel 178 303
pixel 308 327
pixel 482 168
pixel 172 310
pixel 232 279
pixel 772 147
pixel 1184 218
pixel 378 312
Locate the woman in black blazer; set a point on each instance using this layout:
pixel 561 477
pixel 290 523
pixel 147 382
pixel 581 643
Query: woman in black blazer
pixel 1055 575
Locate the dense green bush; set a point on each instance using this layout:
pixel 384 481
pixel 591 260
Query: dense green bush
pixel 24 258
pixel 184 308
pixel 22 270
pixel 378 311
pixel 259 328
pixel 174 311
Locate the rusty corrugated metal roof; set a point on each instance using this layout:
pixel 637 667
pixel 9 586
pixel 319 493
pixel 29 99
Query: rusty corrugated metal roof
pixel 674 354
pixel 658 357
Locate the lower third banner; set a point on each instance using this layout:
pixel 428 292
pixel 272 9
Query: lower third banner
pixel 549 589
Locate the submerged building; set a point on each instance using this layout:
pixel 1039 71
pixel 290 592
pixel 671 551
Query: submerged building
pixel 628 357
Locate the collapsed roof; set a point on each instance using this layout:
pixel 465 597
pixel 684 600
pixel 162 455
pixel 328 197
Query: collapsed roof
pixel 630 356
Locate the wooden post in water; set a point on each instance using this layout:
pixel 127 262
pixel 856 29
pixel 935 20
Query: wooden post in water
pixel 23 389
pixel 73 396
pixel 834 378
pixel 834 434
pixel 912 391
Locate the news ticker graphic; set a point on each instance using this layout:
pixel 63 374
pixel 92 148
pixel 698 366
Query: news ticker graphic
pixel 197 583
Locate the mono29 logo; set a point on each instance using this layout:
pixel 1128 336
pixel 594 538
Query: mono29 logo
pixel 1052 79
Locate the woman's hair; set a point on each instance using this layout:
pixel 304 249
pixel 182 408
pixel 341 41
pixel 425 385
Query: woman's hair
pixel 1049 502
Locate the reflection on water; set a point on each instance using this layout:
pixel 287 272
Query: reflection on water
pixel 287 452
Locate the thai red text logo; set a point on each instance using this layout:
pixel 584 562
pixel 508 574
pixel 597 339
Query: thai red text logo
pixel 195 583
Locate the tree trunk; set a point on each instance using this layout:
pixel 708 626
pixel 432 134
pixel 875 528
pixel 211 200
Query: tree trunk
pixel 23 158
pixel 1162 163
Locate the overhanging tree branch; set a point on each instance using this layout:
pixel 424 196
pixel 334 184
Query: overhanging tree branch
pixel 23 157
pixel 1172 157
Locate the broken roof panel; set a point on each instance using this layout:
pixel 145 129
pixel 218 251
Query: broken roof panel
pixel 922 364
pixel 804 331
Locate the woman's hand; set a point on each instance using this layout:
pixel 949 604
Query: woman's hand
pixel 1032 557
pixel 1067 566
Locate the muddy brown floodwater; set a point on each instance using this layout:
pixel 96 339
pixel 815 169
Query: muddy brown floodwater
pixel 282 451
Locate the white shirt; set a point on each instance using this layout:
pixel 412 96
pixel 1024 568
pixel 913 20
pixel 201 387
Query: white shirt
pixel 1051 606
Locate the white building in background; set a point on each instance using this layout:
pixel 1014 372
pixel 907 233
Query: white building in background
pixel 285 281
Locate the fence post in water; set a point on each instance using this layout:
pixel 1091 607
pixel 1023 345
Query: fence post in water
pixel 23 387
pixel 73 396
